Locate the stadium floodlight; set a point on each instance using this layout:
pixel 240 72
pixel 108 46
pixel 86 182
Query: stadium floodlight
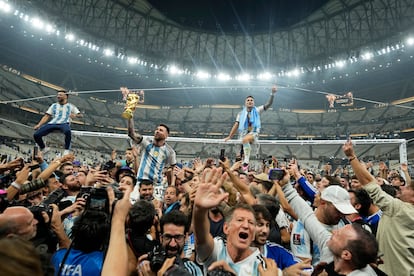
pixel 5 7
pixel 202 75
pixel 174 70
pixel 132 60
pixel 293 73
pixel 70 37
pixel 340 63
pixel 50 29
pixel 410 41
pixel 223 76
pixel 37 23
pixel 367 56
pixel 264 76
pixel 108 52
pixel 243 77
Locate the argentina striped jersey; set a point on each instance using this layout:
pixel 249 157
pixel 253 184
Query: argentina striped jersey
pixel 61 113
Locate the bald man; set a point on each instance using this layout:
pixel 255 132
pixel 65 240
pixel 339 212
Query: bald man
pixel 18 221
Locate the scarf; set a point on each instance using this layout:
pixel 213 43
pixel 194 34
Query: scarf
pixel 254 119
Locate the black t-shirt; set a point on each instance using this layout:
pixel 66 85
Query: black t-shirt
pixel 216 228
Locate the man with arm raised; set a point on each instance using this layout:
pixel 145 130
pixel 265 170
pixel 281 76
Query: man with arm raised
pixel 396 227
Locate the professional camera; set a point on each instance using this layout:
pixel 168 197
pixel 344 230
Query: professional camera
pixel 32 186
pixel 157 258
pixel 38 209
pixel 54 198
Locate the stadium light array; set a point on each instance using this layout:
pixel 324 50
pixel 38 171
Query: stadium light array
pixel 174 70
pixel 51 29
pixel 5 7
pixel 264 76
pixel 70 37
pixel 367 56
pixel 223 77
pixel 340 63
pixel 243 77
pixel 203 75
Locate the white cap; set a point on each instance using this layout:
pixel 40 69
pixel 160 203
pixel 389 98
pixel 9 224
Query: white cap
pixel 339 197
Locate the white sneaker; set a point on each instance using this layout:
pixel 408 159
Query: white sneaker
pixel 45 150
pixel 66 152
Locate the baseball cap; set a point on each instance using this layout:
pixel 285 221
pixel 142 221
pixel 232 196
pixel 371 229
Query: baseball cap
pixel 310 172
pixel 126 169
pixel 262 177
pixel 339 197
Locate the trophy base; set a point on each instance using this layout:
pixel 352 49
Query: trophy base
pixel 127 115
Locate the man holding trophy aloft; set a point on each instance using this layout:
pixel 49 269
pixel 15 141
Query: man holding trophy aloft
pixel 156 153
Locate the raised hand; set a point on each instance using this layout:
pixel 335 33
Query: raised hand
pixel 274 89
pixel 271 268
pixel 198 165
pixel 348 149
pixel 208 193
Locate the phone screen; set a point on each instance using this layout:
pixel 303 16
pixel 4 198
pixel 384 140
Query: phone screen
pixel 3 157
pixel 222 151
pixel 35 152
pixel 276 174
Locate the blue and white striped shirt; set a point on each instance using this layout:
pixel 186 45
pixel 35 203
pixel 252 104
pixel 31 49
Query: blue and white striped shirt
pixel 153 161
pixel 61 113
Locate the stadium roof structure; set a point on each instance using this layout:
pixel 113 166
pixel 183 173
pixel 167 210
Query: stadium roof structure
pixel 336 28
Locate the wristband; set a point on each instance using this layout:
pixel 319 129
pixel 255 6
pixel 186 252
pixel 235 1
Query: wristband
pixel 352 158
pixel 16 186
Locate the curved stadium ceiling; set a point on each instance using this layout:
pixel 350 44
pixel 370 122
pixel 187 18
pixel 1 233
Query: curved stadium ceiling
pixel 338 27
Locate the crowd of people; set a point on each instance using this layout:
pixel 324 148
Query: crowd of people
pixel 147 215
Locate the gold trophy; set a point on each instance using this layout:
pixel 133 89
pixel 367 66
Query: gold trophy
pixel 132 100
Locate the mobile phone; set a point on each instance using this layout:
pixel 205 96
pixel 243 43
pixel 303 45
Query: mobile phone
pixel 3 157
pixel 85 192
pixel 276 174
pixel 35 152
pixel 34 167
pixel 222 157
pixel 98 200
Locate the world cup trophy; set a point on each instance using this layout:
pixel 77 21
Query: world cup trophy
pixel 132 100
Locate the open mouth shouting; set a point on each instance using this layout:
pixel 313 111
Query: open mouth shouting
pixel 244 237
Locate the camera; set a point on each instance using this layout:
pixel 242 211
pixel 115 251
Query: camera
pixel 38 209
pixel 276 174
pixel 55 197
pixel 96 198
pixel 32 186
pixel 157 258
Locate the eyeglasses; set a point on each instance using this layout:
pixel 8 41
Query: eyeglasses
pixel 177 238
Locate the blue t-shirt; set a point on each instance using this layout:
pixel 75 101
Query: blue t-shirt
pixel 78 263
pixel 280 255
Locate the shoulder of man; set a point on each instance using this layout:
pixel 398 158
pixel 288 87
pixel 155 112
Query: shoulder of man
pixel 192 267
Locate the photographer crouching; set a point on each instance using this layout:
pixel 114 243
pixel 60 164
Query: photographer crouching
pixel 166 259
